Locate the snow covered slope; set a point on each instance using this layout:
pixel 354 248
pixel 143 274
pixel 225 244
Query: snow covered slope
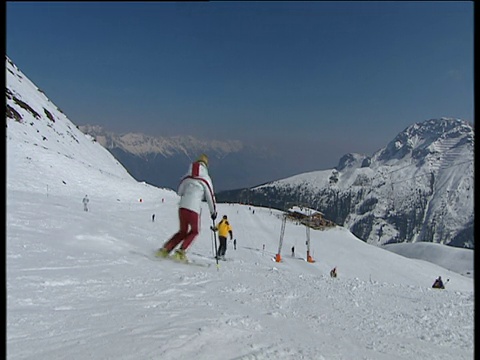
pixel 47 153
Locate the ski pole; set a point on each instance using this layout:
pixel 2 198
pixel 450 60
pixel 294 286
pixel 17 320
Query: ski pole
pixel 213 245
pixel 215 238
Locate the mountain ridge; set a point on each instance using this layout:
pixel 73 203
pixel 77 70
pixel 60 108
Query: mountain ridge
pixel 141 144
pixel 146 156
pixel 419 187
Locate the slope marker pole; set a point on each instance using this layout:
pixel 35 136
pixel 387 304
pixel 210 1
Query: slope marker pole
pixel 278 257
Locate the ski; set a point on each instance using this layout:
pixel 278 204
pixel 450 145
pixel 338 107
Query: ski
pixel 223 259
pixel 188 262
pixel 153 257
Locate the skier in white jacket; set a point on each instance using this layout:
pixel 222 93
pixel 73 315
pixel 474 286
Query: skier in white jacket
pixel 194 187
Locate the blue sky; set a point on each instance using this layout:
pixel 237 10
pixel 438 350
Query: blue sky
pixel 317 78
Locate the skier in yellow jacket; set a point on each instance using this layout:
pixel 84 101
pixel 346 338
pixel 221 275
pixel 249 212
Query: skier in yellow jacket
pixel 224 229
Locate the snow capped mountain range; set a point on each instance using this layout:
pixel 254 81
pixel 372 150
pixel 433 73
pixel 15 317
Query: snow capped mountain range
pixel 146 157
pixel 142 145
pixel 419 188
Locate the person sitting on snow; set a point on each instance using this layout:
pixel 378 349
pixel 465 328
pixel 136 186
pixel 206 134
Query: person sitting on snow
pixel 438 284
pixel 333 272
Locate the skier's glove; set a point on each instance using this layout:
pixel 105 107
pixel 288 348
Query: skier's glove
pixel 214 215
pixel 212 228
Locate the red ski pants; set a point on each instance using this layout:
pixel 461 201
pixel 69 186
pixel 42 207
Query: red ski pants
pixel 189 228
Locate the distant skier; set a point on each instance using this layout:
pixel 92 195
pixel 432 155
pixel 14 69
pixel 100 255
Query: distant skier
pixel 153 217
pixel 85 203
pixel 234 244
pixel 195 186
pixel 333 272
pixel 224 229
pixel 293 251
pixel 438 284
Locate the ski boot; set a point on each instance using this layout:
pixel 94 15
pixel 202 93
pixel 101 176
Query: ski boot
pixel 180 256
pixel 162 253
